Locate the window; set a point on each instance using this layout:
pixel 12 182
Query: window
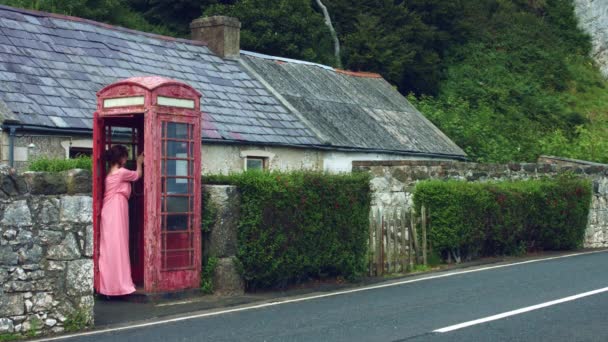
pixel 254 163
pixel 256 159
pixel 76 152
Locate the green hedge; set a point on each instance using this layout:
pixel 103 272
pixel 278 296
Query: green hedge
pixel 300 226
pixel 57 165
pixel 472 219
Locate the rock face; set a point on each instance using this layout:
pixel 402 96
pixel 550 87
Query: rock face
pixel 593 19
pixel 46 248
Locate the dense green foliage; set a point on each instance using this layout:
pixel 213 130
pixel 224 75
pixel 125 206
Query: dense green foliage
pixel 299 226
pixel 507 80
pixel 207 275
pixel 57 165
pixel 481 219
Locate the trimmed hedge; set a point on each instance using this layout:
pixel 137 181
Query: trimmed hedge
pixel 472 219
pixel 57 165
pixel 300 226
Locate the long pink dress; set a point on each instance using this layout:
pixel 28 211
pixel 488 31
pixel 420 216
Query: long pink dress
pixel 114 263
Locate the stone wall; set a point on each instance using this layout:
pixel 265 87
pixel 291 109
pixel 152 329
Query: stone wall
pixel 46 248
pixel 393 183
pixel 222 204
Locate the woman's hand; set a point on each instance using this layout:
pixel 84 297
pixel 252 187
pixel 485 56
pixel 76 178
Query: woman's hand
pixel 140 159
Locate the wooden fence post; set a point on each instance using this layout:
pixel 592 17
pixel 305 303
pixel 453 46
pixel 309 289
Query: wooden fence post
pixel 410 242
pixel 415 237
pixel 423 214
pixel 370 244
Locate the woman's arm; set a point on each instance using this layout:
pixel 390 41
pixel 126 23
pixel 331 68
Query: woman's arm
pixel 140 163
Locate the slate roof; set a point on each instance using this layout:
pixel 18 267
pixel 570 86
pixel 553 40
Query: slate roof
pixel 51 66
pixel 351 109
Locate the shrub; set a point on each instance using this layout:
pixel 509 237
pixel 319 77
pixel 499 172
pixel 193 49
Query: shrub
pixel 472 219
pixel 207 275
pixel 57 165
pixel 77 320
pixel 302 225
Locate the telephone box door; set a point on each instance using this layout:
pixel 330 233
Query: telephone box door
pixel 179 201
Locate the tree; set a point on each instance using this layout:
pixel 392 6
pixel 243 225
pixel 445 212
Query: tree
pixel 288 28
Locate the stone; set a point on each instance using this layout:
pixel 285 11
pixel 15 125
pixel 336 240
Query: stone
pixel 88 245
pixel 8 256
pixel 50 237
pixel 6 326
pixel 379 184
pixel 11 305
pixel 79 279
pixel 58 329
pixel 31 267
pixel 37 275
pixel 66 250
pixel 50 322
pixel 226 278
pixel 18 327
pixel 8 186
pixel 19 286
pixel 42 302
pixel 78 181
pixel 45 183
pixel 19 319
pixel 77 209
pixel 10 234
pixel 24 237
pixel 31 255
pixel 19 274
pixel 222 238
pixel 49 211
pixel 17 214
pixel 3 276
pixel 55 265
pixel 28 305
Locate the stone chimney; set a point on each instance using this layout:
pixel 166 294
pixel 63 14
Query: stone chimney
pixel 222 34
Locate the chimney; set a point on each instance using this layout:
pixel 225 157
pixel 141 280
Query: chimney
pixel 222 34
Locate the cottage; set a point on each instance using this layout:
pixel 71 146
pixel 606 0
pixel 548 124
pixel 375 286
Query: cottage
pixel 258 111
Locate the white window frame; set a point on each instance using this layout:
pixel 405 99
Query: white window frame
pixel 82 143
pixel 257 154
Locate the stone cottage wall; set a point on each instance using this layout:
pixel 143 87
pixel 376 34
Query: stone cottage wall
pixel 46 248
pixel 393 183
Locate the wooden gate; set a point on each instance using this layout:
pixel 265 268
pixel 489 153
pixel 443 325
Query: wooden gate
pixel 397 240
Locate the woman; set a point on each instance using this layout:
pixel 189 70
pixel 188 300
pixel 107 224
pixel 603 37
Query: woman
pixel 114 263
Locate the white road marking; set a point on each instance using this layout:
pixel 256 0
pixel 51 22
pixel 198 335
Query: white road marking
pixel 301 299
pixel 520 311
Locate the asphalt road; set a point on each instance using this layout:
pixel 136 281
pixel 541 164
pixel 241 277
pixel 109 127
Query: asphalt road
pixel 414 310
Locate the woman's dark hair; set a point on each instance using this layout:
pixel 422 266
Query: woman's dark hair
pixel 115 154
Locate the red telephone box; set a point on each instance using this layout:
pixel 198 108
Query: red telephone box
pixel 161 117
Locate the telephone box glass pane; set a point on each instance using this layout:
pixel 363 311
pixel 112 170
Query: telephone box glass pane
pixel 177 204
pixel 177 130
pixel 177 179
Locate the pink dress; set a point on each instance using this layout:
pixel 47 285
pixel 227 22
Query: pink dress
pixel 114 263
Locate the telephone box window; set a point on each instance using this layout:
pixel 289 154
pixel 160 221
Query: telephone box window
pixel 177 162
